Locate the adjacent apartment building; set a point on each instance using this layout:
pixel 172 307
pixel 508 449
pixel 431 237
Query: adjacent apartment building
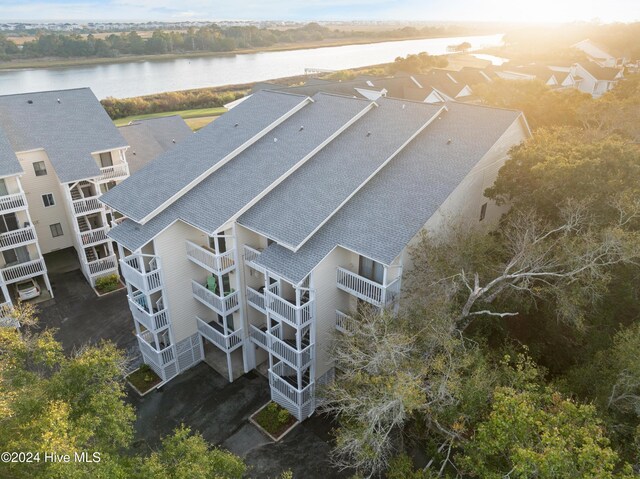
pixel 59 151
pixel 248 244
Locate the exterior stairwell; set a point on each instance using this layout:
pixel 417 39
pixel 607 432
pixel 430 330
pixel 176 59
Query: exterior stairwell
pixel 91 254
pixel 83 225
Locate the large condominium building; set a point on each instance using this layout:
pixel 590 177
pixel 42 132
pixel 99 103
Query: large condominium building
pixel 248 244
pixel 59 152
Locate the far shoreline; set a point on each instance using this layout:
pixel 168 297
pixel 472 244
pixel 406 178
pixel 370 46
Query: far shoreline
pixel 43 63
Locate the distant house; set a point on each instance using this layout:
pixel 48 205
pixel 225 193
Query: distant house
pixel 554 77
pixel 149 138
pixel 593 79
pixel 597 53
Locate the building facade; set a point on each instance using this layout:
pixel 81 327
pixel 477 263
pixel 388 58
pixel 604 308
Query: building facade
pixel 69 153
pixel 248 245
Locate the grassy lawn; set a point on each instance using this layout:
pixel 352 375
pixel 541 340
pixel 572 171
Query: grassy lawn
pixel 196 123
pixel 185 114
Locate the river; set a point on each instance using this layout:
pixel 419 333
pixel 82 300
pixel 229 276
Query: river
pixel 129 79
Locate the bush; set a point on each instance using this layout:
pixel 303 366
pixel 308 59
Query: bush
pixel 274 419
pixel 105 284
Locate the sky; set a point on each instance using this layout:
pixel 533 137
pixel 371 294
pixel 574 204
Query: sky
pixel 415 10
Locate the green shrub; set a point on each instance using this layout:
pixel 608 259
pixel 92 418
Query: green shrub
pixel 104 284
pixel 274 419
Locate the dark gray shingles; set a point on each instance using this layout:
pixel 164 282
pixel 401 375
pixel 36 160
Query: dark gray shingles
pixel 68 124
pixel 9 164
pixel 296 208
pixel 148 139
pixel 224 193
pixel 161 180
pixel 381 219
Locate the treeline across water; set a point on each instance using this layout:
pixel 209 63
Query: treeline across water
pixel 207 39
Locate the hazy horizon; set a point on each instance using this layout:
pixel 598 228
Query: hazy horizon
pixel 137 11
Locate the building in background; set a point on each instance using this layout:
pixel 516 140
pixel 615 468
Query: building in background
pixel 69 153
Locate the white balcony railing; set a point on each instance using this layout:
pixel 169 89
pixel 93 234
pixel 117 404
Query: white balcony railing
pixel 286 352
pixel 86 205
pixel 153 322
pixel 143 275
pixel 367 290
pixel 159 357
pixel 250 255
pixel 115 172
pixel 18 237
pixel 256 299
pixel 298 401
pixel 14 202
pixel 294 315
pixel 227 342
pixel 102 265
pixel 215 263
pixel 221 305
pixel 345 323
pixel 23 270
pixel 94 236
pixel 258 336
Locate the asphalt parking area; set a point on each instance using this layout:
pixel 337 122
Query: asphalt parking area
pixel 205 401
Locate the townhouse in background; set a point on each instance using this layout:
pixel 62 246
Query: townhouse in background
pixel 248 244
pixel 60 152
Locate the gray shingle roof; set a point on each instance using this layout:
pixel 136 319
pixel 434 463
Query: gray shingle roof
pixel 161 180
pixel 9 164
pixel 211 203
pixel 381 219
pixel 149 138
pixel 601 73
pixel 68 124
pixel 308 197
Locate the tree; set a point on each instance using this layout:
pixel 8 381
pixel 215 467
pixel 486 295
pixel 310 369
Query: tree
pixel 66 405
pixel 536 432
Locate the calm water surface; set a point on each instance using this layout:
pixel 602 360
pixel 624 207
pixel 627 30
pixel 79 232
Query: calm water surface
pixel 122 80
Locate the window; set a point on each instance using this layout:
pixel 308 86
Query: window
pixel 106 159
pixel 40 168
pixel 48 200
pixel 483 211
pixel 56 230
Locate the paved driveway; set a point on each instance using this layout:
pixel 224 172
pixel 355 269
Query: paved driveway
pixel 204 400
pixel 81 317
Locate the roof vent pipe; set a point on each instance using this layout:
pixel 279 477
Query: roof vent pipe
pixel 30 102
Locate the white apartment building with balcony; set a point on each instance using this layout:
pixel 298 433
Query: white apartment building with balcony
pixel 69 153
pixel 248 244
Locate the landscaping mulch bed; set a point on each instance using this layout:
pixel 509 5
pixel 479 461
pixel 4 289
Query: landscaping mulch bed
pixel 143 379
pixel 274 420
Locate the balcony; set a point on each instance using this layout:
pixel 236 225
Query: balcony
pixel 19 237
pixel 113 173
pixel 299 402
pixel 256 299
pixel 102 265
pixel 95 236
pixel 367 290
pixel 259 336
pixel 250 255
pixel 221 305
pixel 86 206
pixel 144 276
pixel 294 315
pixel 214 332
pixel 287 351
pixel 345 323
pixel 159 358
pixel 11 274
pixel 138 306
pixel 215 263
pixel 14 202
